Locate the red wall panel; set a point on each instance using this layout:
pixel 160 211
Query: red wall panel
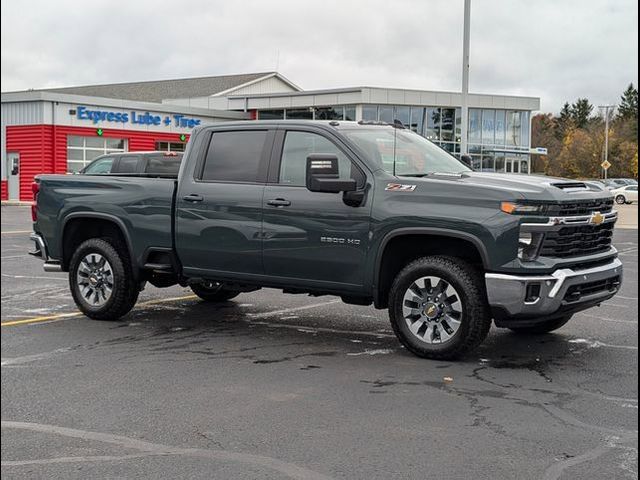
pixel 43 148
pixel 4 190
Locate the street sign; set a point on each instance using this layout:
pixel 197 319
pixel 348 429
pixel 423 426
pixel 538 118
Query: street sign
pixel 606 164
pixel 538 151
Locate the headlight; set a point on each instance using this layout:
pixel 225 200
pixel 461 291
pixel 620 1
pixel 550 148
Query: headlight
pixel 522 209
pixel 529 245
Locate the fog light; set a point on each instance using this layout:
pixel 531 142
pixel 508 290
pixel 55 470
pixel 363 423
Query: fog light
pixel 529 245
pixel 532 293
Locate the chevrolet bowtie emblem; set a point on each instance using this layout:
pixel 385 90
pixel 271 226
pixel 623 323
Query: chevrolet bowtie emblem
pixel 597 218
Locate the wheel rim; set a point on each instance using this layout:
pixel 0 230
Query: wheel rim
pixel 620 199
pixel 95 280
pixel 432 310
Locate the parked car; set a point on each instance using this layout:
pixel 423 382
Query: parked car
pixel 612 183
pixel 328 208
pixel 140 163
pixel 627 194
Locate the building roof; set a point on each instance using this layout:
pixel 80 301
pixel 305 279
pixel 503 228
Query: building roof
pixel 158 90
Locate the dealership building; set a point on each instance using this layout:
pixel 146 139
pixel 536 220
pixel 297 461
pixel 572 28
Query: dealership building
pixel 60 130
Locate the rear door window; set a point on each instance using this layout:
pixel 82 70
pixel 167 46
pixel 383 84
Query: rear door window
pixel 234 156
pixel 128 164
pixel 163 164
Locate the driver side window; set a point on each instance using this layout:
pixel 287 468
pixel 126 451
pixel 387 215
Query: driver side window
pixel 298 145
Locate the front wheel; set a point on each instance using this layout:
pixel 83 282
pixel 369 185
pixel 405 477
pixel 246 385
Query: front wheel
pixel 543 327
pixel 438 308
pixel 213 292
pixel 100 279
pixel 621 200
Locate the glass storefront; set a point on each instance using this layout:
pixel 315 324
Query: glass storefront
pixel 494 135
pixel 83 150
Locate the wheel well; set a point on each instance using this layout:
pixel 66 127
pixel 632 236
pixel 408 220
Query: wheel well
pixel 78 230
pixel 401 250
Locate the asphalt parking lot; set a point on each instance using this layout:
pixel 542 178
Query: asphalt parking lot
pixel 284 386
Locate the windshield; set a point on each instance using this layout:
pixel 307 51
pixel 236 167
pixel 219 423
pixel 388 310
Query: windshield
pixel 403 152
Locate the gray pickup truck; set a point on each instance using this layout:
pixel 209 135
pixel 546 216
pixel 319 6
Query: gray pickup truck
pixel 369 212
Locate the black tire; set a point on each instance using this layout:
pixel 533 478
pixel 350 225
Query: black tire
pixel 124 292
pixel 213 292
pixel 544 327
pixel 475 320
pixel 620 199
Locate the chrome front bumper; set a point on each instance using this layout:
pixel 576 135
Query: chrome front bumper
pixel 511 294
pixel 50 265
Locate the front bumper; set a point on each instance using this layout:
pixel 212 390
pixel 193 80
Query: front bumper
pixel 564 291
pixel 50 265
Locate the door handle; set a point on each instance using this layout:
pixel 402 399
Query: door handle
pixel 279 202
pixel 194 197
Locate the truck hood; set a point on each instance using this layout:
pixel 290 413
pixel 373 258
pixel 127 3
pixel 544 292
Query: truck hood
pixel 516 186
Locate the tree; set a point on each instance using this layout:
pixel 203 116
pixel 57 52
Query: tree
pixel 628 108
pixel 565 120
pixel 581 112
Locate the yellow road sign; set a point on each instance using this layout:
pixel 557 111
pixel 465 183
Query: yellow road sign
pixel 606 164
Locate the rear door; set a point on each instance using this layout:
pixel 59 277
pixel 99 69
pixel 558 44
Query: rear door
pixel 219 203
pixel 314 238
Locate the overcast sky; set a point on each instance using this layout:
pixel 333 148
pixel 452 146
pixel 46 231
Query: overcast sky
pixel 555 49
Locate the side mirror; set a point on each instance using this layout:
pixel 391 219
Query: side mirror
pixel 467 160
pixel 323 175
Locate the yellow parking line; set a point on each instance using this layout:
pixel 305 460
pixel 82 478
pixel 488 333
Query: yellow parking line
pixel 62 316
pixel 15 232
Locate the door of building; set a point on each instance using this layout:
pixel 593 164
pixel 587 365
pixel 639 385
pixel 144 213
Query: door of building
pixel 12 169
pixel 512 165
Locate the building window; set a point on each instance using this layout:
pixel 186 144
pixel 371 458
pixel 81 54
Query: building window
pixel 500 126
pixel 488 127
pixel 514 128
pixel 170 146
pixel 299 114
pixel 417 119
pixel 330 113
pixel 403 114
pixel 525 129
pixel 271 114
pixel 385 113
pixel 350 113
pixel 83 150
pixel 369 113
pixel 432 116
pixel 475 125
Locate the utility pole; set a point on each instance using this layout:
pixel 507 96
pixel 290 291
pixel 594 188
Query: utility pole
pixel 465 79
pixel 606 134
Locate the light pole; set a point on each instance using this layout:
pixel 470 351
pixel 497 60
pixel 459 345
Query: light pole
pixel 465 78
pixel 606 135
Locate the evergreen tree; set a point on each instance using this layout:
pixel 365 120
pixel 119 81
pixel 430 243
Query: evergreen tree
pixel 628 108
pixel 581 112
pixel 565 121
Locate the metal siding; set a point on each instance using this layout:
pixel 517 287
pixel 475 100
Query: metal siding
pixel 43 148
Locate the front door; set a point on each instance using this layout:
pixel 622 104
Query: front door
pixel 512 165
pixel 311 237
pixel 12 169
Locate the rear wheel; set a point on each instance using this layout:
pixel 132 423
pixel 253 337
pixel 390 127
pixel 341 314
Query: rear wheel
pixel 101 279
pixel 438 308
pixel 544 327
pixel 213 292
pixel 620 199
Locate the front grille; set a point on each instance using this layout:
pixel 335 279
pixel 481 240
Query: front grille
pixel 577 241
pixel 585 207
pixel 576 292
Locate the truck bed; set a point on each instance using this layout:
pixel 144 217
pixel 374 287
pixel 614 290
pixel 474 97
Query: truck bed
pixel 143 206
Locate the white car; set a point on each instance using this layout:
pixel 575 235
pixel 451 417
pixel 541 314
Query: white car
pixel 626 194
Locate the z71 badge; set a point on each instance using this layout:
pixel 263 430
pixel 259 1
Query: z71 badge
pixel 398 187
